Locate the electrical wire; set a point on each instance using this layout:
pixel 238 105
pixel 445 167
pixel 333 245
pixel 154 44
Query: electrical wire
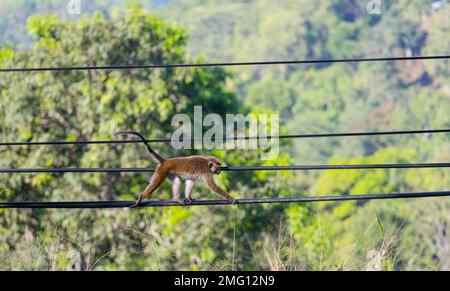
pixel 223 64
pixel 124 204
pixel 233 168
pixel 291 136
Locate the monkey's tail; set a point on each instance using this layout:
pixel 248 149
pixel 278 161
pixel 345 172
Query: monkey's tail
pixel 154 154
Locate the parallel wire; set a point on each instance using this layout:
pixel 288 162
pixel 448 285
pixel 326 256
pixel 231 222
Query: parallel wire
pixel 223 64
pixel 233 168
pixel 123 204
pixel 289 136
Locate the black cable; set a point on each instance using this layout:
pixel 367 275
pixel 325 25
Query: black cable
pixel 123 204
pixel 261 63
pixel 233 168
pixel 290 136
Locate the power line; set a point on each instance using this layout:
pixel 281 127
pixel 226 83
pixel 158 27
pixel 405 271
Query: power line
pixel 233 168
pixel 260 63
pixel 123 204
pixel 289 136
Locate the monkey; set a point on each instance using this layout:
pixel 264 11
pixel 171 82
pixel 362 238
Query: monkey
pixel 188 169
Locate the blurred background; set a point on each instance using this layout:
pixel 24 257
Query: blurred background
pixel 315 98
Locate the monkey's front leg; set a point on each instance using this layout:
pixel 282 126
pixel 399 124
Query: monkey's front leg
pixel 213 186
pixel 188 191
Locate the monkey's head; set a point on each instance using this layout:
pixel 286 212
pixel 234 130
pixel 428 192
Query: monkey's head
pixel 214 165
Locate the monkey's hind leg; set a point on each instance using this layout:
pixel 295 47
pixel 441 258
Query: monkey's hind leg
pixel 176 182
pixel 156 181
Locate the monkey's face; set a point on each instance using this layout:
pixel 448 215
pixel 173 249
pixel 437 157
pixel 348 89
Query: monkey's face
pixel 214 166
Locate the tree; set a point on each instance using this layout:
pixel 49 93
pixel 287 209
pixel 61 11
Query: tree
pixel 76 105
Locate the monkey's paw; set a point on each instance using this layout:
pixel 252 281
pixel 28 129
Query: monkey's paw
pixel 232 201
pixel 179 201
pixel 135 205
pixel 188 201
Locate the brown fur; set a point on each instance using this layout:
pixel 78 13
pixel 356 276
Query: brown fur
pixel 189 169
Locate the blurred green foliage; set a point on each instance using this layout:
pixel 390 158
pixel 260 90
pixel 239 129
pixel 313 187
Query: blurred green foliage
pixel 389 235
